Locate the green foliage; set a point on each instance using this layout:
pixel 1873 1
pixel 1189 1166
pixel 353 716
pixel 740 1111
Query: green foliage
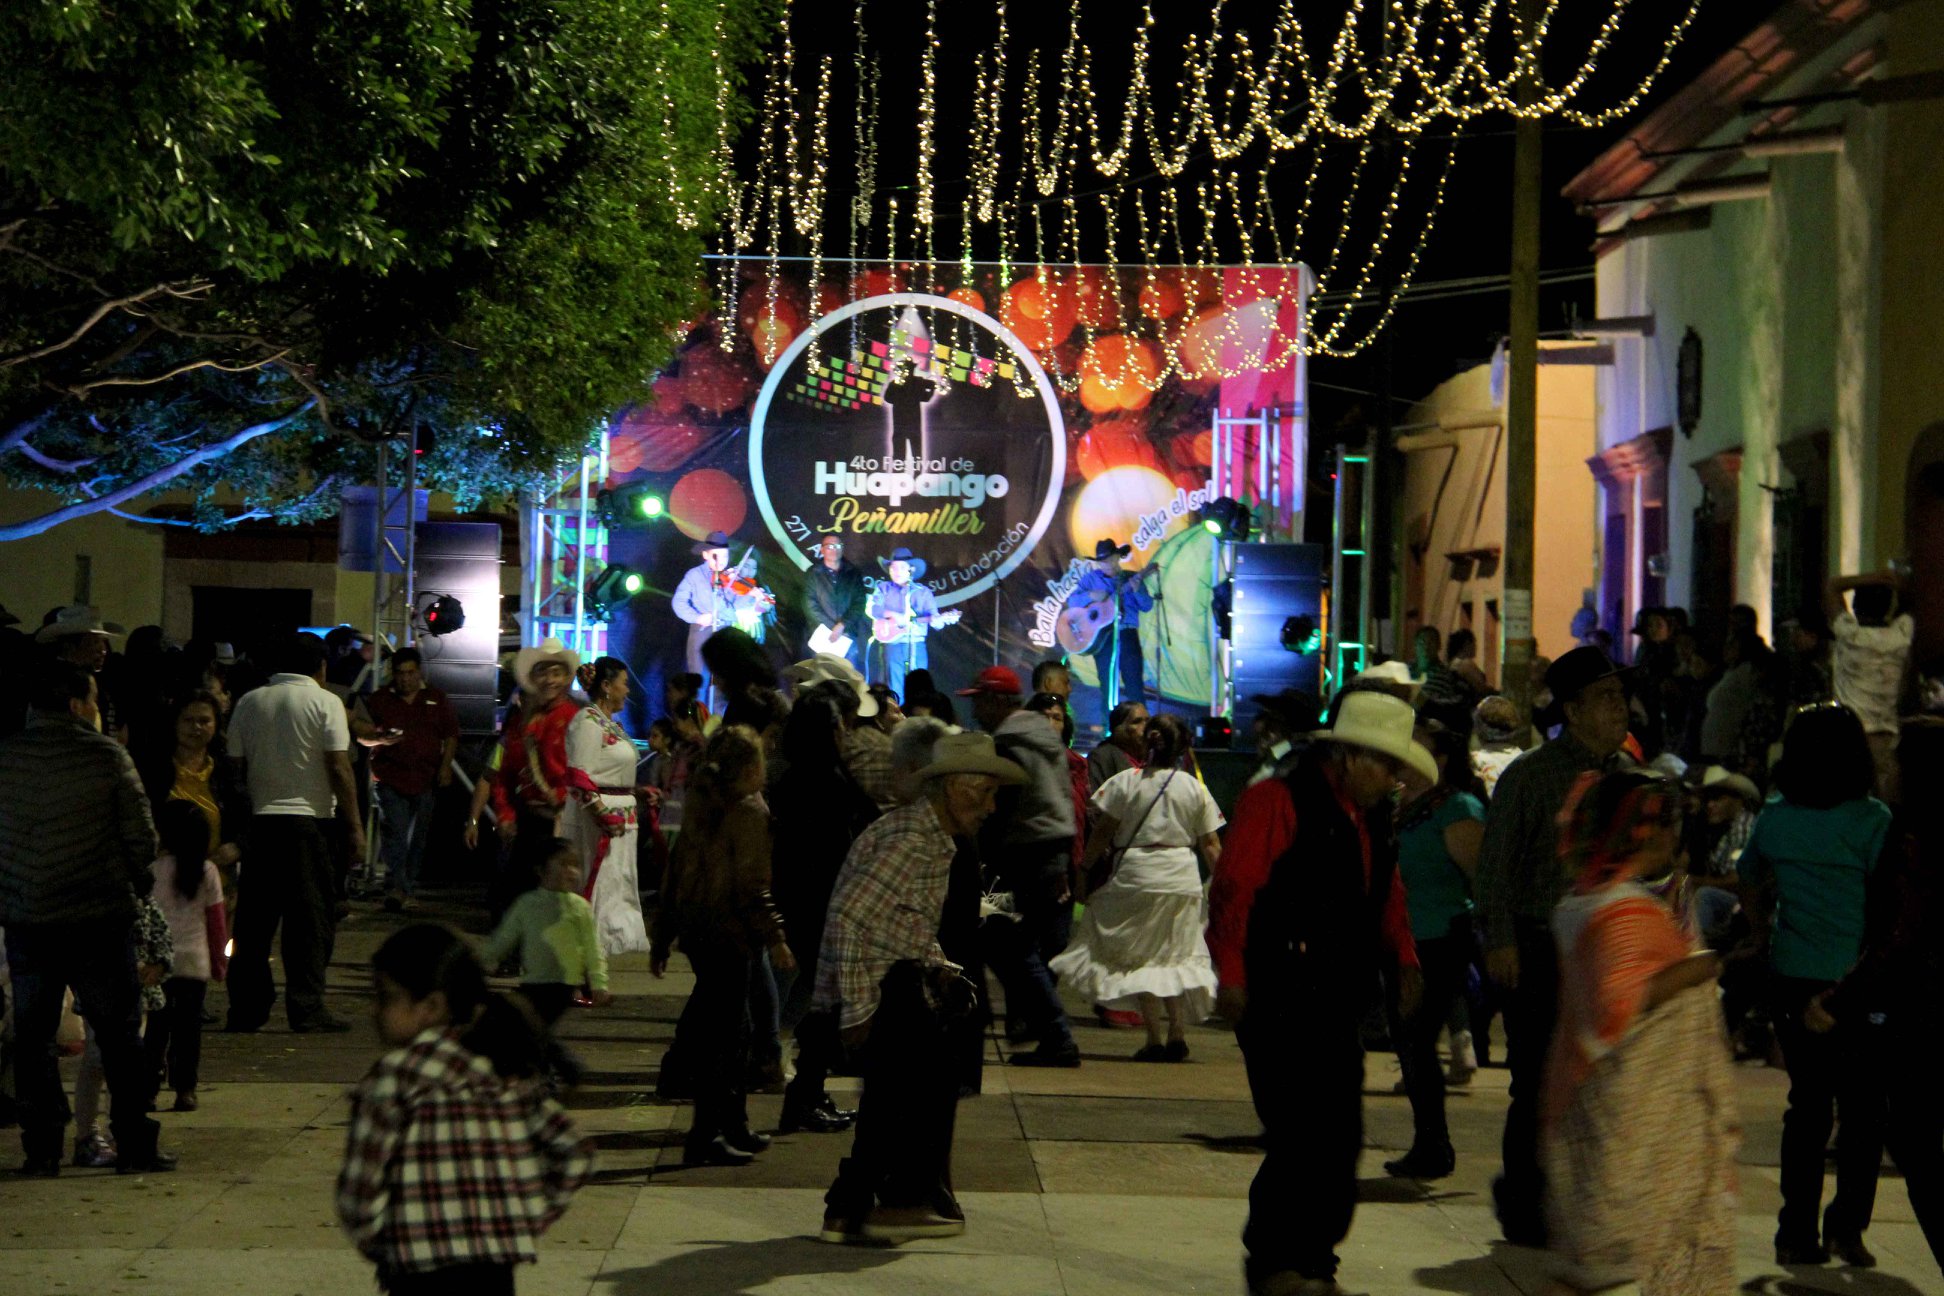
pixel 338 220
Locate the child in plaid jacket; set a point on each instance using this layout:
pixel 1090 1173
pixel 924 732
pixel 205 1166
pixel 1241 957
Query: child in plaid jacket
pixel 456 1159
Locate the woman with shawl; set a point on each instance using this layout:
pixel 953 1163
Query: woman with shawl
pixel 1638 1124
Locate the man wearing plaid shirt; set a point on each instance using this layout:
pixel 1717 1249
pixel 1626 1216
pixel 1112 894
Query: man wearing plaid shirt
pixel 449 1166
pixel 895 994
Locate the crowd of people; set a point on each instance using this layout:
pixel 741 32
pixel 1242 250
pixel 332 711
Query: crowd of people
pixel 1677 849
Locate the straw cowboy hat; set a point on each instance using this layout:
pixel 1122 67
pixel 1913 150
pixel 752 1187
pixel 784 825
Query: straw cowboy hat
pixel 970 753
pixel 828 668
pixel 1392 676
pixel 1380 723
pixel 78 619
pixel 904 555
pixel 549 650
pixel 1718 780
pixel 713 540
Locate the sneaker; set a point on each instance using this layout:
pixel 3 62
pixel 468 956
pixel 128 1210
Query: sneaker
pixel 1849 1248
pixel 156 1163
pixel 908 1223
pixel 186 1102
pixel 94 1152
pixel 1064 1056
pixel 322 1024
pixel 1464 1060
pixel 841 1229
pixel 746 1140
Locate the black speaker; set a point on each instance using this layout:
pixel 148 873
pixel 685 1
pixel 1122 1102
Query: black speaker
pixel 1274 583
pixel 461 560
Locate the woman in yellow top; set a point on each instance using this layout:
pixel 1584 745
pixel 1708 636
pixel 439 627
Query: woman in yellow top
pixel 186 763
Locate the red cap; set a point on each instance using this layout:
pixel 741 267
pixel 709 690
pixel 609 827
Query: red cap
pixel 995 679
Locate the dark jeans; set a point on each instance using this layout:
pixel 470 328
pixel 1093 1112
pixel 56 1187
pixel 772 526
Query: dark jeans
pixel 718 1040
pixel 1828 1072
pixel 1012 955
pixel 1915 1128
pixel 901 1153
pixel 288 881
pixel 95 959
pixel 174 1036
pixel 1531 1013
pixel 454 1280
pixel 1444 960
pixel 1305 1067
pixel 1133 670
pixel 405 823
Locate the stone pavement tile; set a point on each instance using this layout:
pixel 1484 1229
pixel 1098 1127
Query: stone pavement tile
pixel 99 1207
pixel 800 1266
pixel 1103 1077
pixel 279 1215
pixel 1149 1169
pixel 593 1220
pixel 1135 1120
pixel 1113 1244
pixel 671 1216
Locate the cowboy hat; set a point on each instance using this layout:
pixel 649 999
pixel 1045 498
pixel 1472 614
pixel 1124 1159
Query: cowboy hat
pixel 1108 549
pixel 904 555
pixel 1718 780
pixel 1391 677
pixel 828 668
pixel 1381 723
pixel 78 619
pixel 1572 675
pixel 713 540
pixel 549 650
pixel 969 753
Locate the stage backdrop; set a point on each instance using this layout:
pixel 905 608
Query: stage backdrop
pixel 939 417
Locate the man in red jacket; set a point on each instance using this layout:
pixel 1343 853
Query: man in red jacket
pixel 1304 911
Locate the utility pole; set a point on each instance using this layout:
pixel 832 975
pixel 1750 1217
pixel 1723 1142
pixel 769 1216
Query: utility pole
pixel 1522 391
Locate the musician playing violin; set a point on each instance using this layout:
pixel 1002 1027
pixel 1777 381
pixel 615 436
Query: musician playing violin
pixel 710 598
pixel 1122 646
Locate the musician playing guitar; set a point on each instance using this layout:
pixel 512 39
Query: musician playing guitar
pixel 1103 618
pixel 903 612
pixel 833 604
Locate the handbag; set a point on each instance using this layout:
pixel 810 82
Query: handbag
pixel 1103 869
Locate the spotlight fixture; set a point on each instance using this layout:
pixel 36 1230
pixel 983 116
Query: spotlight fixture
pixel 636 504
pixel 616 584
pixel 443 615
pixel 1300 635
pixel 1229 519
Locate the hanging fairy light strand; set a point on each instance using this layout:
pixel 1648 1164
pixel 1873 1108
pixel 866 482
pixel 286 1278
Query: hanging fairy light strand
pixel 1046 146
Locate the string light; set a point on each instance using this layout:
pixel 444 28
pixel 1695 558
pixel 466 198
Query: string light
pixel 1242 102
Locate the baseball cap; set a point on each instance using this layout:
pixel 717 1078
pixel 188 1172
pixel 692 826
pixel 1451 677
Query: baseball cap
pixel 995 679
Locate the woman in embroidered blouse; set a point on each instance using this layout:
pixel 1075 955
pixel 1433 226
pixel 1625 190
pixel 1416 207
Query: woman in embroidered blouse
pixel 600 818
pixel 531 785
pixel 1638 1124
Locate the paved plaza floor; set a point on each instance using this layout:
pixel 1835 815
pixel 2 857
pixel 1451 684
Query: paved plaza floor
pixel 1114 1178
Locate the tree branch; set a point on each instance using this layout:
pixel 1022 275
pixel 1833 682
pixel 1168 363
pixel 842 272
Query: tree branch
pixel 160 477
pixel 80 390
pixel 49 462
pixel 98 314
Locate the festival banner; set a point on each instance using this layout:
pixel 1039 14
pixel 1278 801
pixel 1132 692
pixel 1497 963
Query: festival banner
pixel 997 424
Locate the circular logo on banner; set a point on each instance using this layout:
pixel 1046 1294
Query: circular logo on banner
pixel 920 422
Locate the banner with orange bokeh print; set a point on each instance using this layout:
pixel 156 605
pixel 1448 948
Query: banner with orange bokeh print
pixel 998 423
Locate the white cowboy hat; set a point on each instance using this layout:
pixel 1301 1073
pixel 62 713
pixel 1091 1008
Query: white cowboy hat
pixel 1381 723
pixel 549 650
pixel 828 668
pixel 1392 675
pixel 77 619
pixel 1718 779
pixel 969 753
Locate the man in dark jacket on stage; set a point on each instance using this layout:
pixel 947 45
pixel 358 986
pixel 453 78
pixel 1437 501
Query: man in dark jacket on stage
pixel 833 601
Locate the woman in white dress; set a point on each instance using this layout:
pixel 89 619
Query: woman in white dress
pixel 601 819
pixel 1140 942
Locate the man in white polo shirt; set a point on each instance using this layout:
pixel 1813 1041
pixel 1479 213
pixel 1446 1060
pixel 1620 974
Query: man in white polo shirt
pixel 294 743
pixel 1869 655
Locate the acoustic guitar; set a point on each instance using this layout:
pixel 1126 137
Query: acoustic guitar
pixel 892 626
pixel 1082 629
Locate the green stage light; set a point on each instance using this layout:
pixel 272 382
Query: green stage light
pixel 651 506
pixel 1229 519
pixel 615 585
pixel 1212 527
pixel 635 504
pixel 633 583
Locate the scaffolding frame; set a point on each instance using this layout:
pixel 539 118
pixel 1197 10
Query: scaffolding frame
pixel 564 544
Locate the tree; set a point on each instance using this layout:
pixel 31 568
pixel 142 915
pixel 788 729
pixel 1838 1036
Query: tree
pixel 240 243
